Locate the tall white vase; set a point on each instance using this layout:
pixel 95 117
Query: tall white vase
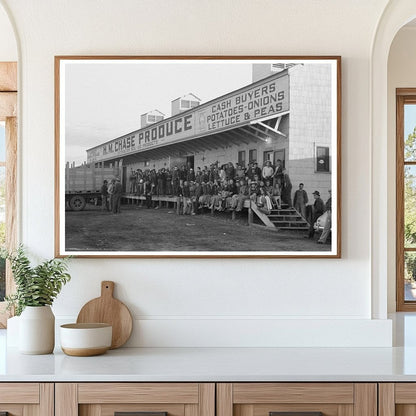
pixel 12 334
pixel 37 330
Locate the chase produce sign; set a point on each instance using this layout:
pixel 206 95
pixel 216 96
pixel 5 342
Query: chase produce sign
pixel 264 98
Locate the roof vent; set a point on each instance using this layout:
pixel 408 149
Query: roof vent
pixel 151 117
pixel 185 103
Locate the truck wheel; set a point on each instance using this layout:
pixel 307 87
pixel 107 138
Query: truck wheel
pixel 77 203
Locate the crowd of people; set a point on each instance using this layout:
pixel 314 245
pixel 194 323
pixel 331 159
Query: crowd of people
pixel 220 187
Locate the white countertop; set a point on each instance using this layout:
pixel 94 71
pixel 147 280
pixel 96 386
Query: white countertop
pixel 222 364
pixel 215 364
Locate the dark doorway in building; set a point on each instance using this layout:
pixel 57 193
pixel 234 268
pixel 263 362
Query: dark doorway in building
pixel 242 158
pixel 280 154
pixel 190 161
pixel 252 155
pixel 124 179
pixel 268 156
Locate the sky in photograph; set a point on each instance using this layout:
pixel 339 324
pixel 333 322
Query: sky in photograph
pixel 104 100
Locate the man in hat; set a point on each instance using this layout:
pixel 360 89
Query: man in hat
pixel 286 189
pixel 117 196
pixel 132 181
pixel 278 173
pixel 300 200
pixel 317 210
pixel 175 181
pixel 253 170
pixel 110 191
pixel 104 196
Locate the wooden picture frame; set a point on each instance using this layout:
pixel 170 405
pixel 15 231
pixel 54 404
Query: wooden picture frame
pixel 405 301
pixel 170 135
pixel 8 116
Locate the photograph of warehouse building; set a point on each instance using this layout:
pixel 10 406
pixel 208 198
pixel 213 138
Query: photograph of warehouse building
pixel 189 147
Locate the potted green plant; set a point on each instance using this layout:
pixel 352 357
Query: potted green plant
pixel 36 289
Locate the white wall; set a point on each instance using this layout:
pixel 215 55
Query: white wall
pixel 401 74
pixel 211 302
pixel 8 46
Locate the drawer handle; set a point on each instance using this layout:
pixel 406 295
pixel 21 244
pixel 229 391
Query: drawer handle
pixel 295 414
pixel 139 414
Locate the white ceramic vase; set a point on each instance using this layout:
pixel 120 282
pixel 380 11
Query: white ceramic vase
pixel 37 330
pixel 12 334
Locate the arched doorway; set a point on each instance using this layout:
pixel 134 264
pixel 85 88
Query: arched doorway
pixel 397 14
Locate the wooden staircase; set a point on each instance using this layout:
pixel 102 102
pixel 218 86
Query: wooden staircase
pixel 288 219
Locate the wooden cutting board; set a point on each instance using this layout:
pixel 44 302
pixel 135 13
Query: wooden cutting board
pixel 107 309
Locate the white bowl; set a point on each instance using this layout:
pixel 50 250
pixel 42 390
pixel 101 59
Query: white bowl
pixel 84 340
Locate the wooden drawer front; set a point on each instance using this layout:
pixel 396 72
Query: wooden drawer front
pixel 405 393
pixel 397 399
pixel 104 399
pixel 293 393
pixel 138 393
pixel 331 399
pixel 110 409
pixel 13 409
pixel 27 399
pixel 19 393
pixel 264 410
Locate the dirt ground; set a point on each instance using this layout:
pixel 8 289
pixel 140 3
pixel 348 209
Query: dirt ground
pixel 141 229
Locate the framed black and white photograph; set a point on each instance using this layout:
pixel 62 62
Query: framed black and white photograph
pixel 198 156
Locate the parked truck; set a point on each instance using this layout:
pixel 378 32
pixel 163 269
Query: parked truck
pixel 83 184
